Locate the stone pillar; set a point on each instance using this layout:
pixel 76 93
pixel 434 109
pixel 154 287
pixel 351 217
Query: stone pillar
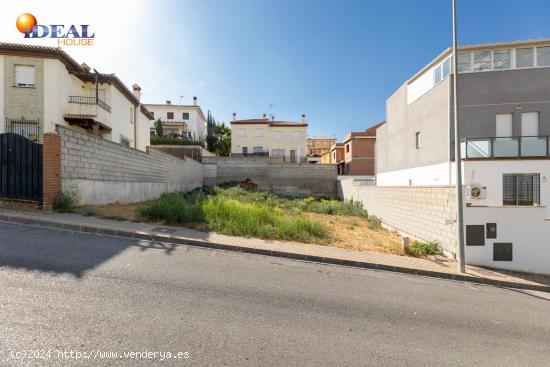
pixel 51 169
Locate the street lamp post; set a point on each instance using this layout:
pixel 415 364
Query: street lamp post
pixel 458 160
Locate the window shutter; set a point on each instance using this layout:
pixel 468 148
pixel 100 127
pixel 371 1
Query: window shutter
pixel 24 75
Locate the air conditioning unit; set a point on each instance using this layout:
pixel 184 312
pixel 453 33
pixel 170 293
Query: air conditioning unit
pixel 476 192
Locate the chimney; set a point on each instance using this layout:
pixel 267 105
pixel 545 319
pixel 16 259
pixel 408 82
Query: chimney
pixel 194 101
pixel 85 67
pixel 303 118
pixel 168 101
pixel 265 116
pixel 136 89
pixel 234 116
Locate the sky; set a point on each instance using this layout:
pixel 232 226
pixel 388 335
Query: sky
pixel 335 61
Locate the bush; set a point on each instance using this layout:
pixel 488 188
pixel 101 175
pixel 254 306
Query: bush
pixel 66 201
pixel 170 140
pixel 175 208
pixel 374 222
pixel 420 249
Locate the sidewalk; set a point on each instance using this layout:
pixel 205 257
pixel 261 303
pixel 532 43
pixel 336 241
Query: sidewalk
pixel 330 255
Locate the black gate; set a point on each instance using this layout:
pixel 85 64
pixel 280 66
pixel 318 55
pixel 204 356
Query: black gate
pixel 20 168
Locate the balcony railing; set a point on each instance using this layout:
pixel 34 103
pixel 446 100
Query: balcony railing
pixel 512 147
pixel 90 100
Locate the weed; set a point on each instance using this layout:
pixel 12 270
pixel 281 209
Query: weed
pixel 420 249
pixel 66 201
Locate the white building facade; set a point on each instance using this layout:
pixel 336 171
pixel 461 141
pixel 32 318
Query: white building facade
pixel 41 87
pixel 504 127
pixel 184 121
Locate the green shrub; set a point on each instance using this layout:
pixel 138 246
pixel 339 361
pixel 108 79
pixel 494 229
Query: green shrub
pixel 374 222
pixel 170 140
pixel 175 208
pixel 88 212
pixel 66 201
pixel 420 249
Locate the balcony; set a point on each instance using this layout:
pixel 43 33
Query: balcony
pixel 512 147
pixel 86 111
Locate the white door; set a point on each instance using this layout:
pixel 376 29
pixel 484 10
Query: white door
pixel 504 128
pixel 530 124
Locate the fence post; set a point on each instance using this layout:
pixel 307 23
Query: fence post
pixel 51 169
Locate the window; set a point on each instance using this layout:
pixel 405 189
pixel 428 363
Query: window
pixel 464 62
pixel 185 116
pixel 245 150
pixel 258 132
pixel 240 132
pixel 417 139
pixel 525 58
pixel 24 76
pixel 543 56
pixel 257 150
pixel 482 60
pixel 347 148
pixel 278 153
pixel 446 68
pixel 334 155
pixel 296 135
pixel 521 189
pixel 530 124
pixel 170 115
pixel 504 125
pixel 437 74
pixel 502 59
pixel 278 135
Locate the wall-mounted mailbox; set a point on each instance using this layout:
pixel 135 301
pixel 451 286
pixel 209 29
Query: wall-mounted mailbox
pixel 491 229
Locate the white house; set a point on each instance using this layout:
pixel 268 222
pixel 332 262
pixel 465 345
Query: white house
pixel 43 86
pixel 187 121
pixel 504 129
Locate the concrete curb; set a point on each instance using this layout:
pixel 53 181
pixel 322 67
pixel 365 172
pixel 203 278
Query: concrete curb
pixel 99 230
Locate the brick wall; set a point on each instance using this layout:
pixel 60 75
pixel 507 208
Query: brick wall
pixel 421 212
pixel 103 171
pixel 289 179
pixel 51 169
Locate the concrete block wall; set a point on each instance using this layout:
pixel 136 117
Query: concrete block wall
pixel 298 180
pixel 105 172
pixel 425 213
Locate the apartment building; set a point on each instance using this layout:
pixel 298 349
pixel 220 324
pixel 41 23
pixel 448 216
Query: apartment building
pixel 317 146
pixel 178 120
pixel 269 137
pixel 43 86
pixel 504 124
pixel 359 157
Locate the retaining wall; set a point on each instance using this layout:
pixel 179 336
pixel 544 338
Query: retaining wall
pixel 296 179
pixel 105 172
pixel 422 212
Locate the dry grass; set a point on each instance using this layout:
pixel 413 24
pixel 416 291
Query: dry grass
pixel 345 231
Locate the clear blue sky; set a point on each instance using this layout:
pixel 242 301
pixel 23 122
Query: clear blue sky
pixel 337 61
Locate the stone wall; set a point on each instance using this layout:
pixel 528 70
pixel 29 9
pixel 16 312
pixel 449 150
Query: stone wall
pixel 298 180
pixel 105 172
pixel 421 212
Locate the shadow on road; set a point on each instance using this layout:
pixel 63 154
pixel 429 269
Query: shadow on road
pixel 54 251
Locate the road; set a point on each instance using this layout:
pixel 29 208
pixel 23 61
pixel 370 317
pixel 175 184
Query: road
pixel 63 292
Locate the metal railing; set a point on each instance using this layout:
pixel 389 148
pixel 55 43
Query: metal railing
pixel 510 147
pixel 90 100
pixel 30 129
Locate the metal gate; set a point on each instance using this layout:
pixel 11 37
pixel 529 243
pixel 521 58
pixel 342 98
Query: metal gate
pixel 20 168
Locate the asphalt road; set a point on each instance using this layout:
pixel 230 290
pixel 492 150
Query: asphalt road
pixel 91 295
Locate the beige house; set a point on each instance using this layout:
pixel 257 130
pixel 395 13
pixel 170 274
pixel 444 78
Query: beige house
pixel 265 137
pixel 41 87
pixel 317 146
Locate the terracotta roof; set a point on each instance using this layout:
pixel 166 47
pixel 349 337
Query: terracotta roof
pixel 72 66
pixel 267 122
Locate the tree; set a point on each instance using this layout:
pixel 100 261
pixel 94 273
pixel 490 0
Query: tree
pixel 223 143
pixel 211 138
pixel 158 127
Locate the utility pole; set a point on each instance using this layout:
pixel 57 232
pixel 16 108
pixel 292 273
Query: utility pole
pixel 458 157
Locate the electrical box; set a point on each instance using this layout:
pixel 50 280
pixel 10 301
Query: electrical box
pixel 491 230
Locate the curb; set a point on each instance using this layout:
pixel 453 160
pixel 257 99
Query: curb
pixel 73 227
